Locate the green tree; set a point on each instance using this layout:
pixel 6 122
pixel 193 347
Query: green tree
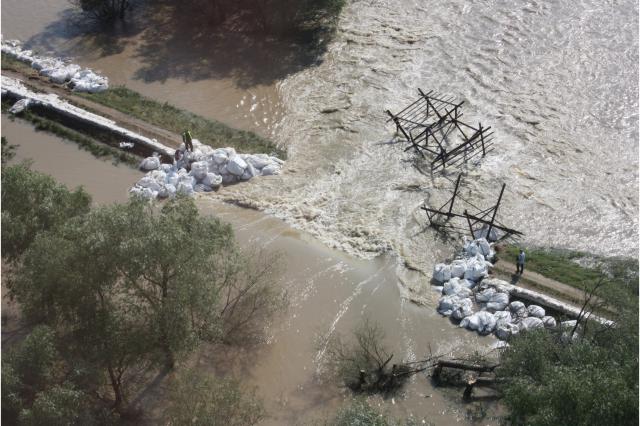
pixel 58 405
pixel 31 203
pixel 130 286
pixel 28 369
pixel 197 399
pixel 592 379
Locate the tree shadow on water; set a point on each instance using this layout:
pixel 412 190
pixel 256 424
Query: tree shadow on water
pixel 185 46
pixel 173 41
pixel 72 34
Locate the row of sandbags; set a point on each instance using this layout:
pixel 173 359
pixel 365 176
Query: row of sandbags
pixel 477 302
pixel 58 70
pixel 202 170
pixel 482 308
pixel 473 264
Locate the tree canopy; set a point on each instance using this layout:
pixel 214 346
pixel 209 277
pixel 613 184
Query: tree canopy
pixel 589 378
pixel 33 202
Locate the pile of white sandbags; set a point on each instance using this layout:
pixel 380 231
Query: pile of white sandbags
pixel 57 70
pixel 482 304
pixel 208 168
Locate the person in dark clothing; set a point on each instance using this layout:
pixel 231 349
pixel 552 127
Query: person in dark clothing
pixel 520 262
pixel 177 156
pixel 186 138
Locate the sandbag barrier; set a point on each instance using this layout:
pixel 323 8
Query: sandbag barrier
pixel 27 98
pixel 204 169
pixel 59 71
pixel 484 304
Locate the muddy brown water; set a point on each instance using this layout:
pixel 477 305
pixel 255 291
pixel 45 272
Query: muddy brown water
pixel 162 55
pixel 329 290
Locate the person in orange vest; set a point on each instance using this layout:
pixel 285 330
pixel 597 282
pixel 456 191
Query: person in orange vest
pixel 186 138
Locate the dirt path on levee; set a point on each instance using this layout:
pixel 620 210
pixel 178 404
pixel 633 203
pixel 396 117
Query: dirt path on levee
pixel 42 84
pixel 532 280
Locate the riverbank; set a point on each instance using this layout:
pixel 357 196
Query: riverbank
pixel 161 121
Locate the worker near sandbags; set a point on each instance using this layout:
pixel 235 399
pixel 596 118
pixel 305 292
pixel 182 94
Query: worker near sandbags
pixel 520 262
pixel 186 138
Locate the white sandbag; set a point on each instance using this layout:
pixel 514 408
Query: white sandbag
pixel 220 156
pixel 484 247
pixel 270 169
pixel 149 182
pixel 463 309
pixel 236 165
pixel 536 311
pixel 64 73
pixel 20 106
pixel 184 188
pixel 230 151
pixel 503 317
pixel 483 322
pixel 213 180
pixel 485 295
pixel 276 160
pixel 199 170
pixel 249 172
pixel 453 286
pixel 518 309
pixel 145 193
pixel 471 248
pixel 458 267
pixel 441 273
pixel 498 301
pixel 475 270
pixel 258 161
pixel 568 324
pixel 505 330
pixel 150 163
pixel 531 323
pixel 447 304
pixel 549 322
pixel 516 306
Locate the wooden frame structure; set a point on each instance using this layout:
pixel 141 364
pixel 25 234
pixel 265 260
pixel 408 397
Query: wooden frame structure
pixel 428 125
pixel 443 217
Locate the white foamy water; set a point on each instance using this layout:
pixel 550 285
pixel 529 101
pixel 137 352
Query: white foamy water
pixel 558 81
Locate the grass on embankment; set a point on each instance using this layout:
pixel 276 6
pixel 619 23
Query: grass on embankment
pixel 166 116
pixel 12 64
pixel 210 132
pixel 98 149
pixel 562 266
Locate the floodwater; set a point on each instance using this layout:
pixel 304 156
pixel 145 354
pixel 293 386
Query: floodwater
pixel 558 81
pixel 106 182
pixel 329 291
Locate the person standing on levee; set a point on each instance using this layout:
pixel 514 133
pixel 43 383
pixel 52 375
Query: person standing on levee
pixel 520 262
pixel 186 138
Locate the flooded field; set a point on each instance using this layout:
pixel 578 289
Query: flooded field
pixel 557 81
pixel 329 290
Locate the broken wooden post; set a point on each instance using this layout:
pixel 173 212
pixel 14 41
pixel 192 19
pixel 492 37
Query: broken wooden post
pixel 455 192
pixel 495 210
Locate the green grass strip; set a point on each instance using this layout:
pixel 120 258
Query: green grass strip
pixel 167 116
pixel 560 265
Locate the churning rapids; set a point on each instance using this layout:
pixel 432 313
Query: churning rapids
pixel 557 80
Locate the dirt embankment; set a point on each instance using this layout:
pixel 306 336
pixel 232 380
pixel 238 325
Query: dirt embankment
pixel 38 83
